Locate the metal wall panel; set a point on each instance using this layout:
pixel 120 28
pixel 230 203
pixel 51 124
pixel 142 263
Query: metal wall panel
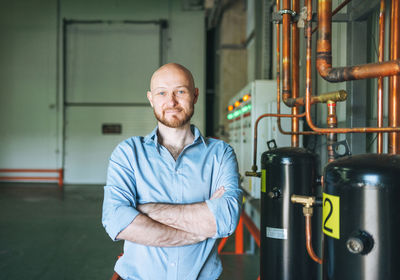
pixel 108 70
pixel 87 150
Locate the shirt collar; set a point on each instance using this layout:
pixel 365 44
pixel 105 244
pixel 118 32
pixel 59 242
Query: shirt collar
pixel 153 137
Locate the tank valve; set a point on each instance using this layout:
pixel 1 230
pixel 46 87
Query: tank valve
pixel 360 243
pixel 307 201
pixel 275 193
pixel 253 173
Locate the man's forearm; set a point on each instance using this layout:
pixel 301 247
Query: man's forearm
pixel 194 218
pixel 144 230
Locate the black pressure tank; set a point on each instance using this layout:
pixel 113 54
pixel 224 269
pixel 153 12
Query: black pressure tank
pixel 361 218
pixel 286 171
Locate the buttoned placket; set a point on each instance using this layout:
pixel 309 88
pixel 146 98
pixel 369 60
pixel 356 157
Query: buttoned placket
pixel 175 165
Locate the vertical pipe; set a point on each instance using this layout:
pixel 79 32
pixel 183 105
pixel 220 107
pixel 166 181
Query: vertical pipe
pixel 394 94
pixel 295 72
pixel 308 31
pixel 286 91
pixel 278 65
pixel 331 138
pixel 380 79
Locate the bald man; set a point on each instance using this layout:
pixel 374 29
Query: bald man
pixel 171 194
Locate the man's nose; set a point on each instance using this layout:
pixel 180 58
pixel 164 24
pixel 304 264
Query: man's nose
pixel 172 99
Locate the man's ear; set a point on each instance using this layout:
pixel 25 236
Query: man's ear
pixel 196 95
pixel 150 98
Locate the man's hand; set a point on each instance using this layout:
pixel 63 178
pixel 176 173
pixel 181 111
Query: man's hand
pixel 218 193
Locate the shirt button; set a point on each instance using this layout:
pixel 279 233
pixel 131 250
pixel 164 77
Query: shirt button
pixel 172 264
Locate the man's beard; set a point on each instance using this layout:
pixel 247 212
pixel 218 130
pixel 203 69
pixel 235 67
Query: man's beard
pixel 174 122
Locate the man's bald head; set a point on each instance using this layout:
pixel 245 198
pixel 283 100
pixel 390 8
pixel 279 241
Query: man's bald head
pixel 172 69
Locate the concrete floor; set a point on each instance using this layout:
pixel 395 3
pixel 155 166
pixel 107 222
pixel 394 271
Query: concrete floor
pixel 46 233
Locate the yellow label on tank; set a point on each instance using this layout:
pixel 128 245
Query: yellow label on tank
pixel 263 180
pixel 331 215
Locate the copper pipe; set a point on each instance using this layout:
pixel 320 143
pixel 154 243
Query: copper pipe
pixel 335 11
pixel 254 167
pixel 380 79
pixel 278 87
pixel 286 90
pixel 295 72
pixel 331 138
pixel 308 92
pixel 324 54
pixel 336 96
pixel 394 93
pixel 309 246
pixel 278 68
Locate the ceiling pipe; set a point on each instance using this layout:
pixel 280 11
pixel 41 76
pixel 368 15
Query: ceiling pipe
pixel 309 91
pixel 341 74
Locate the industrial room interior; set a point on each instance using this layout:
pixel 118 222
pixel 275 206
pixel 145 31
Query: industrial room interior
pixel 307 92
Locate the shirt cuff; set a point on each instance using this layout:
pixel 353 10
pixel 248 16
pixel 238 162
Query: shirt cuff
pixel 222 224
pixel 124 215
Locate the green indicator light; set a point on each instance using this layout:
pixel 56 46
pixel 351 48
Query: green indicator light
pixel 230 116
pixel 237 113
pixel 245 109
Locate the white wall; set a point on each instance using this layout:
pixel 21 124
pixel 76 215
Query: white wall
pixel 31 123
pixel 28 116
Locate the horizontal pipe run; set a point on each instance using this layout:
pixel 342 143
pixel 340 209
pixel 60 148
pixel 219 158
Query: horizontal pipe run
pixel 324 54
pixel 335 96
pixel 309 96
pixel 254 167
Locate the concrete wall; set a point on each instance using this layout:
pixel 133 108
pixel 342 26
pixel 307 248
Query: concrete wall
pixel 31 105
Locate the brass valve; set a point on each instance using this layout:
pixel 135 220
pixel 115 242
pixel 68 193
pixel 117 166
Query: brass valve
pixel 307 201
pixel 253 173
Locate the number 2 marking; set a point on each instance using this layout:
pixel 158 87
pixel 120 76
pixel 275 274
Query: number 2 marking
pixel 329 214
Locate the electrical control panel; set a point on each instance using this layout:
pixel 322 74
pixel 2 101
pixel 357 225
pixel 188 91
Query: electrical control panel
pixel 254 100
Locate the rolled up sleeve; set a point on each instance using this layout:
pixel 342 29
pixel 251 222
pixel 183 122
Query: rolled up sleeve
pixel 227 209
pixel 119 196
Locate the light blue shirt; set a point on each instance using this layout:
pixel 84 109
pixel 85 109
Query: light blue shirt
pixel 143 171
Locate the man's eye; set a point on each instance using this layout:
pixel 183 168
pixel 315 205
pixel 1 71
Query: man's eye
pixel 181 91
pixel 161 93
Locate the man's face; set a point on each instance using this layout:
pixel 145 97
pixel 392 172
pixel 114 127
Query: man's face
pixel 172 97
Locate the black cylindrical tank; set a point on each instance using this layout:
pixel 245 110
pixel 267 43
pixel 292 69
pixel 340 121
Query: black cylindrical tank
pixel 361 218
pixel 285 171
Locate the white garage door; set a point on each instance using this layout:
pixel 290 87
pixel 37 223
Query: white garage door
pixel 107 72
